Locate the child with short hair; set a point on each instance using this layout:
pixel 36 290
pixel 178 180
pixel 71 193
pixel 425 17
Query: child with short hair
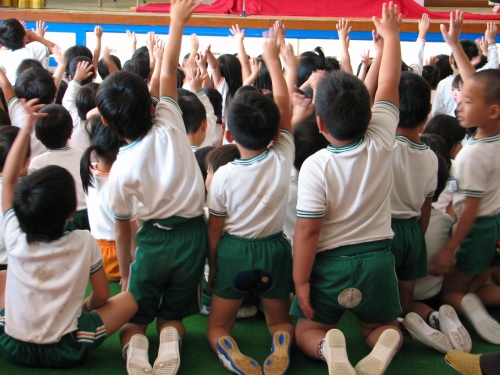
pixel 166 180
pixel 42 292
pixel 342 257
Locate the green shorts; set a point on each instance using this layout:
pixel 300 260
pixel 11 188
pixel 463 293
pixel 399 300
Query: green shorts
pixel 3 267
pixel 481 248
pixel 80 221
pixel 359 278
pixel 263 265
pixel 166 276
pixel 72 349
pixel 409 249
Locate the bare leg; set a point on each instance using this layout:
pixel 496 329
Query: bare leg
pixel 117 311
pixel 129 330
pixel 177 324
pixel 221 319
pixel 406 288
pixel 372 331
pixel 3 280
pixel 277 315
pixel 455 286
pixel 309 335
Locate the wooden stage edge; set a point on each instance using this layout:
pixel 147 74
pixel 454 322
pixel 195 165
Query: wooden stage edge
pixel 212 20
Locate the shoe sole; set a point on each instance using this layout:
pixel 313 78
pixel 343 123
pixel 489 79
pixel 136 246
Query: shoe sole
pixel 469 370
pixel 136 365
pixel 486 327
pixel 233 360
pixel 277 363
pixel 454 329
pixel 421 331
pixel 381 356
pixel 169 360
pixel 335 353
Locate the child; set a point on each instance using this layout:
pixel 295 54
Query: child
pixel 194 116
pixel 342 258
pixel 247 248
pixel 41 319
pixel 477 199
pixel 456 92
pixel 158 169
pixel 54 131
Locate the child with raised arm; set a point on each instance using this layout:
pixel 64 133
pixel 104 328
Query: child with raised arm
pixel 471 249
pixel 247 248
pixel 342 256
pixel 41 319
pixel 158 169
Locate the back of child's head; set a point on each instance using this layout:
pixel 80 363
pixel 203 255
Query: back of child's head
pixel 443 66
pixel 331 64
pixel 263 80
pixel 221 155
pixel 36 83
pixel 180 78
pixel 104 143
pixel 141 53
pixel 310 61
pixel 193 112
pixel 489 80
pixel 12 34
pixel 74 64
pixel 102 69
pixel 414 100
pixel 26 64
pixel 8 134
pixel 308 140
pixel 254 119
pixel 55 129
pixel 124 101
pixel 215 98
pixel 483 60
pixel 201 157
pixel 85 99
pixel 139 67
pixel 74 51
pixel 63 86
pixel 470 49
pixel 438 146
pixel 448 128
pixel 431 75
pixel 343 104
pixel 43 201
pixel 4 117
pixel 230 69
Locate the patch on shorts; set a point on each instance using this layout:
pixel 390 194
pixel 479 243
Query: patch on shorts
pixel 247 280
pixel 350 298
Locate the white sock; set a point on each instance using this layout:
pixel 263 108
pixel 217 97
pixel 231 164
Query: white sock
pixel 433 319
pixel 124 351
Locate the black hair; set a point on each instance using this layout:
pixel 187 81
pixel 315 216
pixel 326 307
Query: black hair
pixel 263 81
pixel 180 78
pixel 28 63
pixel 470 49
pixel 331 64
pixel 36 83
pixel 85 99
pixel 254 119
pixel 102 69
pixel 482 62
pixel 8 134
pixel 193 112
pixel 448 128
pixel 489 79
pixel 438 146
pixel 55 129
pixel 73 65
pixel 443 66
pixel 125 103
pixel 201 157
pixel 457 81
pixel 104 143
pixel 63 86
pixel 141 53
pixel 431 75
pixel 76 50
pixel 43 201
pixel 216 100
pixel 338 94
pixel 310 61
pixel 12 34
pixel 230 69
pixel 308 140
pixel 138 66
pixel 414 100
pixel 2 98
pixel 221 156
pixel 4 117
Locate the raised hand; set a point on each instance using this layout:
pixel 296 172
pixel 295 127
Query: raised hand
pixel 390 22
pixel 452 35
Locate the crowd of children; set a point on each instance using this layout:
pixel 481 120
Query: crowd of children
pixel 392 204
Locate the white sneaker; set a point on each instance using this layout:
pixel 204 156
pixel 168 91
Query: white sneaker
pixel 137 356
pixel 246 312
pixel 451 326
pixel 169 359
pixel 421 331
pixel 205 310
pixel 335 354
pixel 486 327
pixel 381 355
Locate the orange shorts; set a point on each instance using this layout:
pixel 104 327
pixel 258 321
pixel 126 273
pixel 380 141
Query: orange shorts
pixel 110 259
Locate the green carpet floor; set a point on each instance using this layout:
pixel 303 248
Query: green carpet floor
pixel 254 340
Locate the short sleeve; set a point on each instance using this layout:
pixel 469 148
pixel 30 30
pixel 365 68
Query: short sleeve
pixel 168 112
pixel 11 229
pixel 472 175
pixel 215 199
pixel 285 145
pixel 311 201
pixel 96 256
pixel 122 204
pixel 432 182
pixel 383 124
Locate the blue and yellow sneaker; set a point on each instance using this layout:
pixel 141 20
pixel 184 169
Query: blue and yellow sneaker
pixel 232 359
pixel 278 361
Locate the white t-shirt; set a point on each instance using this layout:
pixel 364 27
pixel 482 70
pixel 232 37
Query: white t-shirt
pixel 3 251
pixel 443 99
pixel 414 171
pixel 291 209
pixel 349 187
pixel 11 60
pixel 80 138
pixel 477 170
pixel 46 282
pixel 68 158
pixel 223 88
pixel 251 194
pixel 159 171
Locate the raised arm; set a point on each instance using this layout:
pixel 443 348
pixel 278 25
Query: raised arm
pixel 109 62
pixel 344 29
pixel 150 45
pixel 371 79
pixel 255 67
pixel 191 60
pixel 6 86
pixel 132 40
pixel 291 66
pixel 154 86
pixel 423 27
pixel 98 31
pixel 61 66
pixel 213 63
pixel 239 35
pixel 34 37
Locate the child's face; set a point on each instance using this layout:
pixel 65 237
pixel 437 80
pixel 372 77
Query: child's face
pixel 209 178
pixel 457 94
pixel 473 110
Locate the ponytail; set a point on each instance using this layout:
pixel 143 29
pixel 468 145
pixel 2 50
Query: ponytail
pixel 86 169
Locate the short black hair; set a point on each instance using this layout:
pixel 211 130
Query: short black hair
pixel 253 119
pixel 438 146
pixel 431 75
pixel 343 104
pixel 138 66
pixel 63 86
pixel 308 140
pixel 73 65
pixel 12 34
pixel 125 103
pixel 8 134
pixel 193 112
pixel 102 69
pixel 55 129
pixel 489 78
pixel 201 157
pixel 221 156
pixel 85 99
pixel 414 100
pixel 43 201
pixel 4 117
pixel 74 51
pixel 141 53
pixel 28 63
pixel 470 49
pixel 448 128
pixel 457 81
pixel 215 98
pixel 36 83
pixel 310 61
pixel 443 66
pixel 180 78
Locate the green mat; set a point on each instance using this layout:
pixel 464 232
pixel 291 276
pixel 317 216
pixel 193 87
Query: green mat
pixel 254 340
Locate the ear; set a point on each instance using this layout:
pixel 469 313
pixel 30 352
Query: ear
pixel 70 134
pixel 104 121
pixel 321 125
pixel 494 111
pixel 229 136
pixel 277 135
pixel 204 125
pixel 152 110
